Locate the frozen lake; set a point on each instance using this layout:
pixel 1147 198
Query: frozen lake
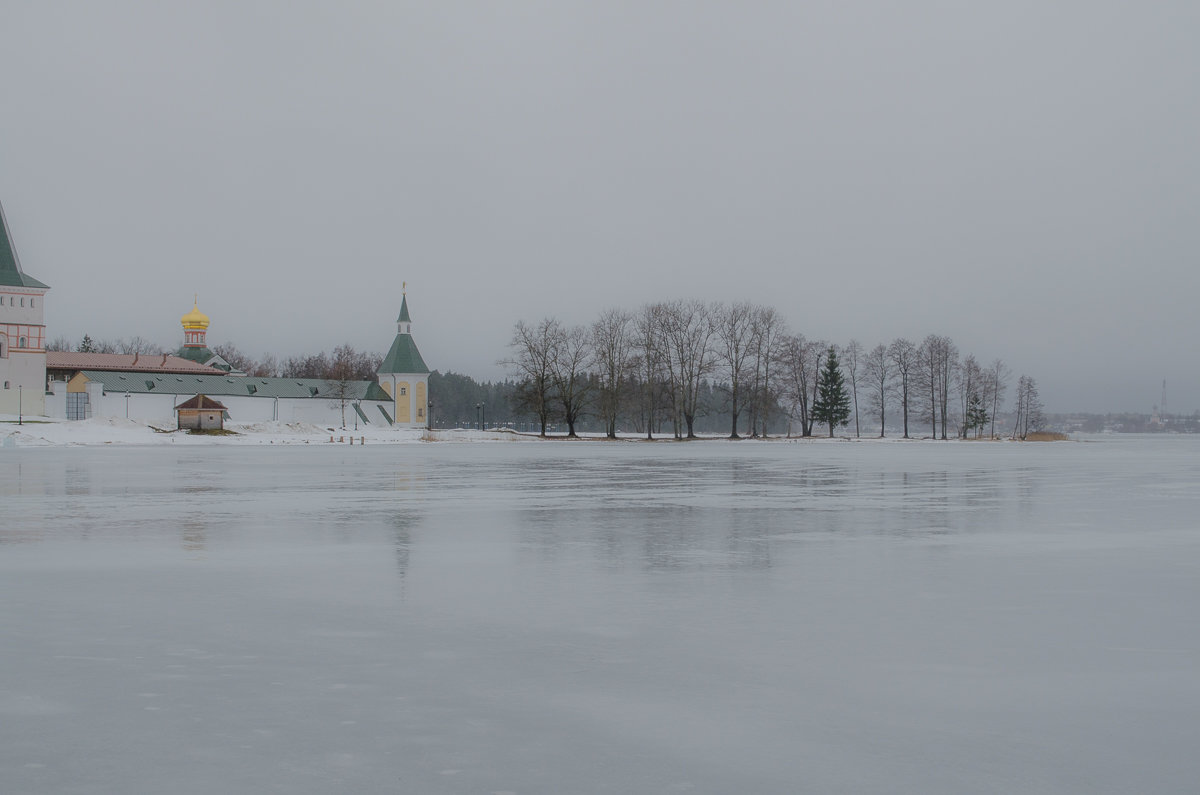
pixel 602 618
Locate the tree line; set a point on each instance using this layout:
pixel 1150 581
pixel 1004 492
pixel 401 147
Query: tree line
pixel 682 366
pixel 648 369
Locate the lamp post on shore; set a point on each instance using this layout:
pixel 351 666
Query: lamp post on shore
pixel 20 405
pixel 429 415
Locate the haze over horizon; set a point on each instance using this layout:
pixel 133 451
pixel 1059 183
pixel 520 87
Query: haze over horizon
pixel 1022 178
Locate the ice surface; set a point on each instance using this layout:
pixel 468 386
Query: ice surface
pixel 553 618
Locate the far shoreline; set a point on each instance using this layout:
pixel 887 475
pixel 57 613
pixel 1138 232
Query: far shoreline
pixel 108 431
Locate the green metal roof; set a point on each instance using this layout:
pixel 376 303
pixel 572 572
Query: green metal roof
pixel 147 383
pixel 404 318
pixel 403 357
pixel 198 355
pixel 11 274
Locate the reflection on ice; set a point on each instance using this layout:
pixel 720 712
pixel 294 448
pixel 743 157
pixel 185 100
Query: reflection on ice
pixel 601 618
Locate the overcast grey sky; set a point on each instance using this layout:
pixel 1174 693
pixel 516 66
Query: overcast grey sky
pixel 1020 176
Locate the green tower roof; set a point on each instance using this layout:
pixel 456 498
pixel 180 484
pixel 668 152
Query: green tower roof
pixel 200 355
pixel 403 357
pixel 11 274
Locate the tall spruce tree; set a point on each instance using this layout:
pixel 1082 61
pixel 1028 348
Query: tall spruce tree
pixel 977 415
pixel 832 406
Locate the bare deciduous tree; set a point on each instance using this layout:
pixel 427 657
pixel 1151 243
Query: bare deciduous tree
pixel 878 371
pixel 686 328
pixel 802 363
pixel 569 354
pixel 937 359
pixel 734 326
pixel 138 345
pixel 850 356
pixel 340 377
pixel 532 350
pixel 1029 408
pixel 613 357
pixel 311 366
pixel 905 360
pixel 997 378
pixel 648 348
pixel 236 359
pixel 769 331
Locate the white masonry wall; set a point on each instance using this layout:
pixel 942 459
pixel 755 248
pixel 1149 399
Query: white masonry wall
pixel 160 408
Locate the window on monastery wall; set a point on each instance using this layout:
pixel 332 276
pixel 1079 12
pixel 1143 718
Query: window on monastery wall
pixel 6 385
pixel 21 343
pixel 22 302
pixel 403 390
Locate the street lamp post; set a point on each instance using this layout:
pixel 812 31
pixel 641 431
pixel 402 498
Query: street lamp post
pixel 429 415
pixel 126 405
pixel 478 424
pixel 20 405
pixel 484 405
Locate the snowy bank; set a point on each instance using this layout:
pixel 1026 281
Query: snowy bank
pixel 43 432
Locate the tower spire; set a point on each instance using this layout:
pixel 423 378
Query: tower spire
pixel 404 322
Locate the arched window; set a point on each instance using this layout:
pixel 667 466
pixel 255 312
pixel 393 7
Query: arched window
pixel 31 303
pixel 3 347
pixel 21 343
pixel 22 300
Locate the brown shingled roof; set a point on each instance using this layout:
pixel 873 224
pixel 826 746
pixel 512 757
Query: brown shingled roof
pixel 127 362
pixel 201 402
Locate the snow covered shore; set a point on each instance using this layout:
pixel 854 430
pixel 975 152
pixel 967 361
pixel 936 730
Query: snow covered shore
pixel 43 432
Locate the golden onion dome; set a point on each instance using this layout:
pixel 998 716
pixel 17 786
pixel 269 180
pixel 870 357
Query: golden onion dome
pixel 194 319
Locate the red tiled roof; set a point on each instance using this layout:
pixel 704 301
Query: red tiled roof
pixel 126 362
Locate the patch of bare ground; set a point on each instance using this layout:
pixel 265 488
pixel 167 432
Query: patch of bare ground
pixel 1047 436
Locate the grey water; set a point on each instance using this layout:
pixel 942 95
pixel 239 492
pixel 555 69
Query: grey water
pixel 602 618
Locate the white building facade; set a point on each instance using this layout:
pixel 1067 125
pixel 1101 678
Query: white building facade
pixel 22 333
